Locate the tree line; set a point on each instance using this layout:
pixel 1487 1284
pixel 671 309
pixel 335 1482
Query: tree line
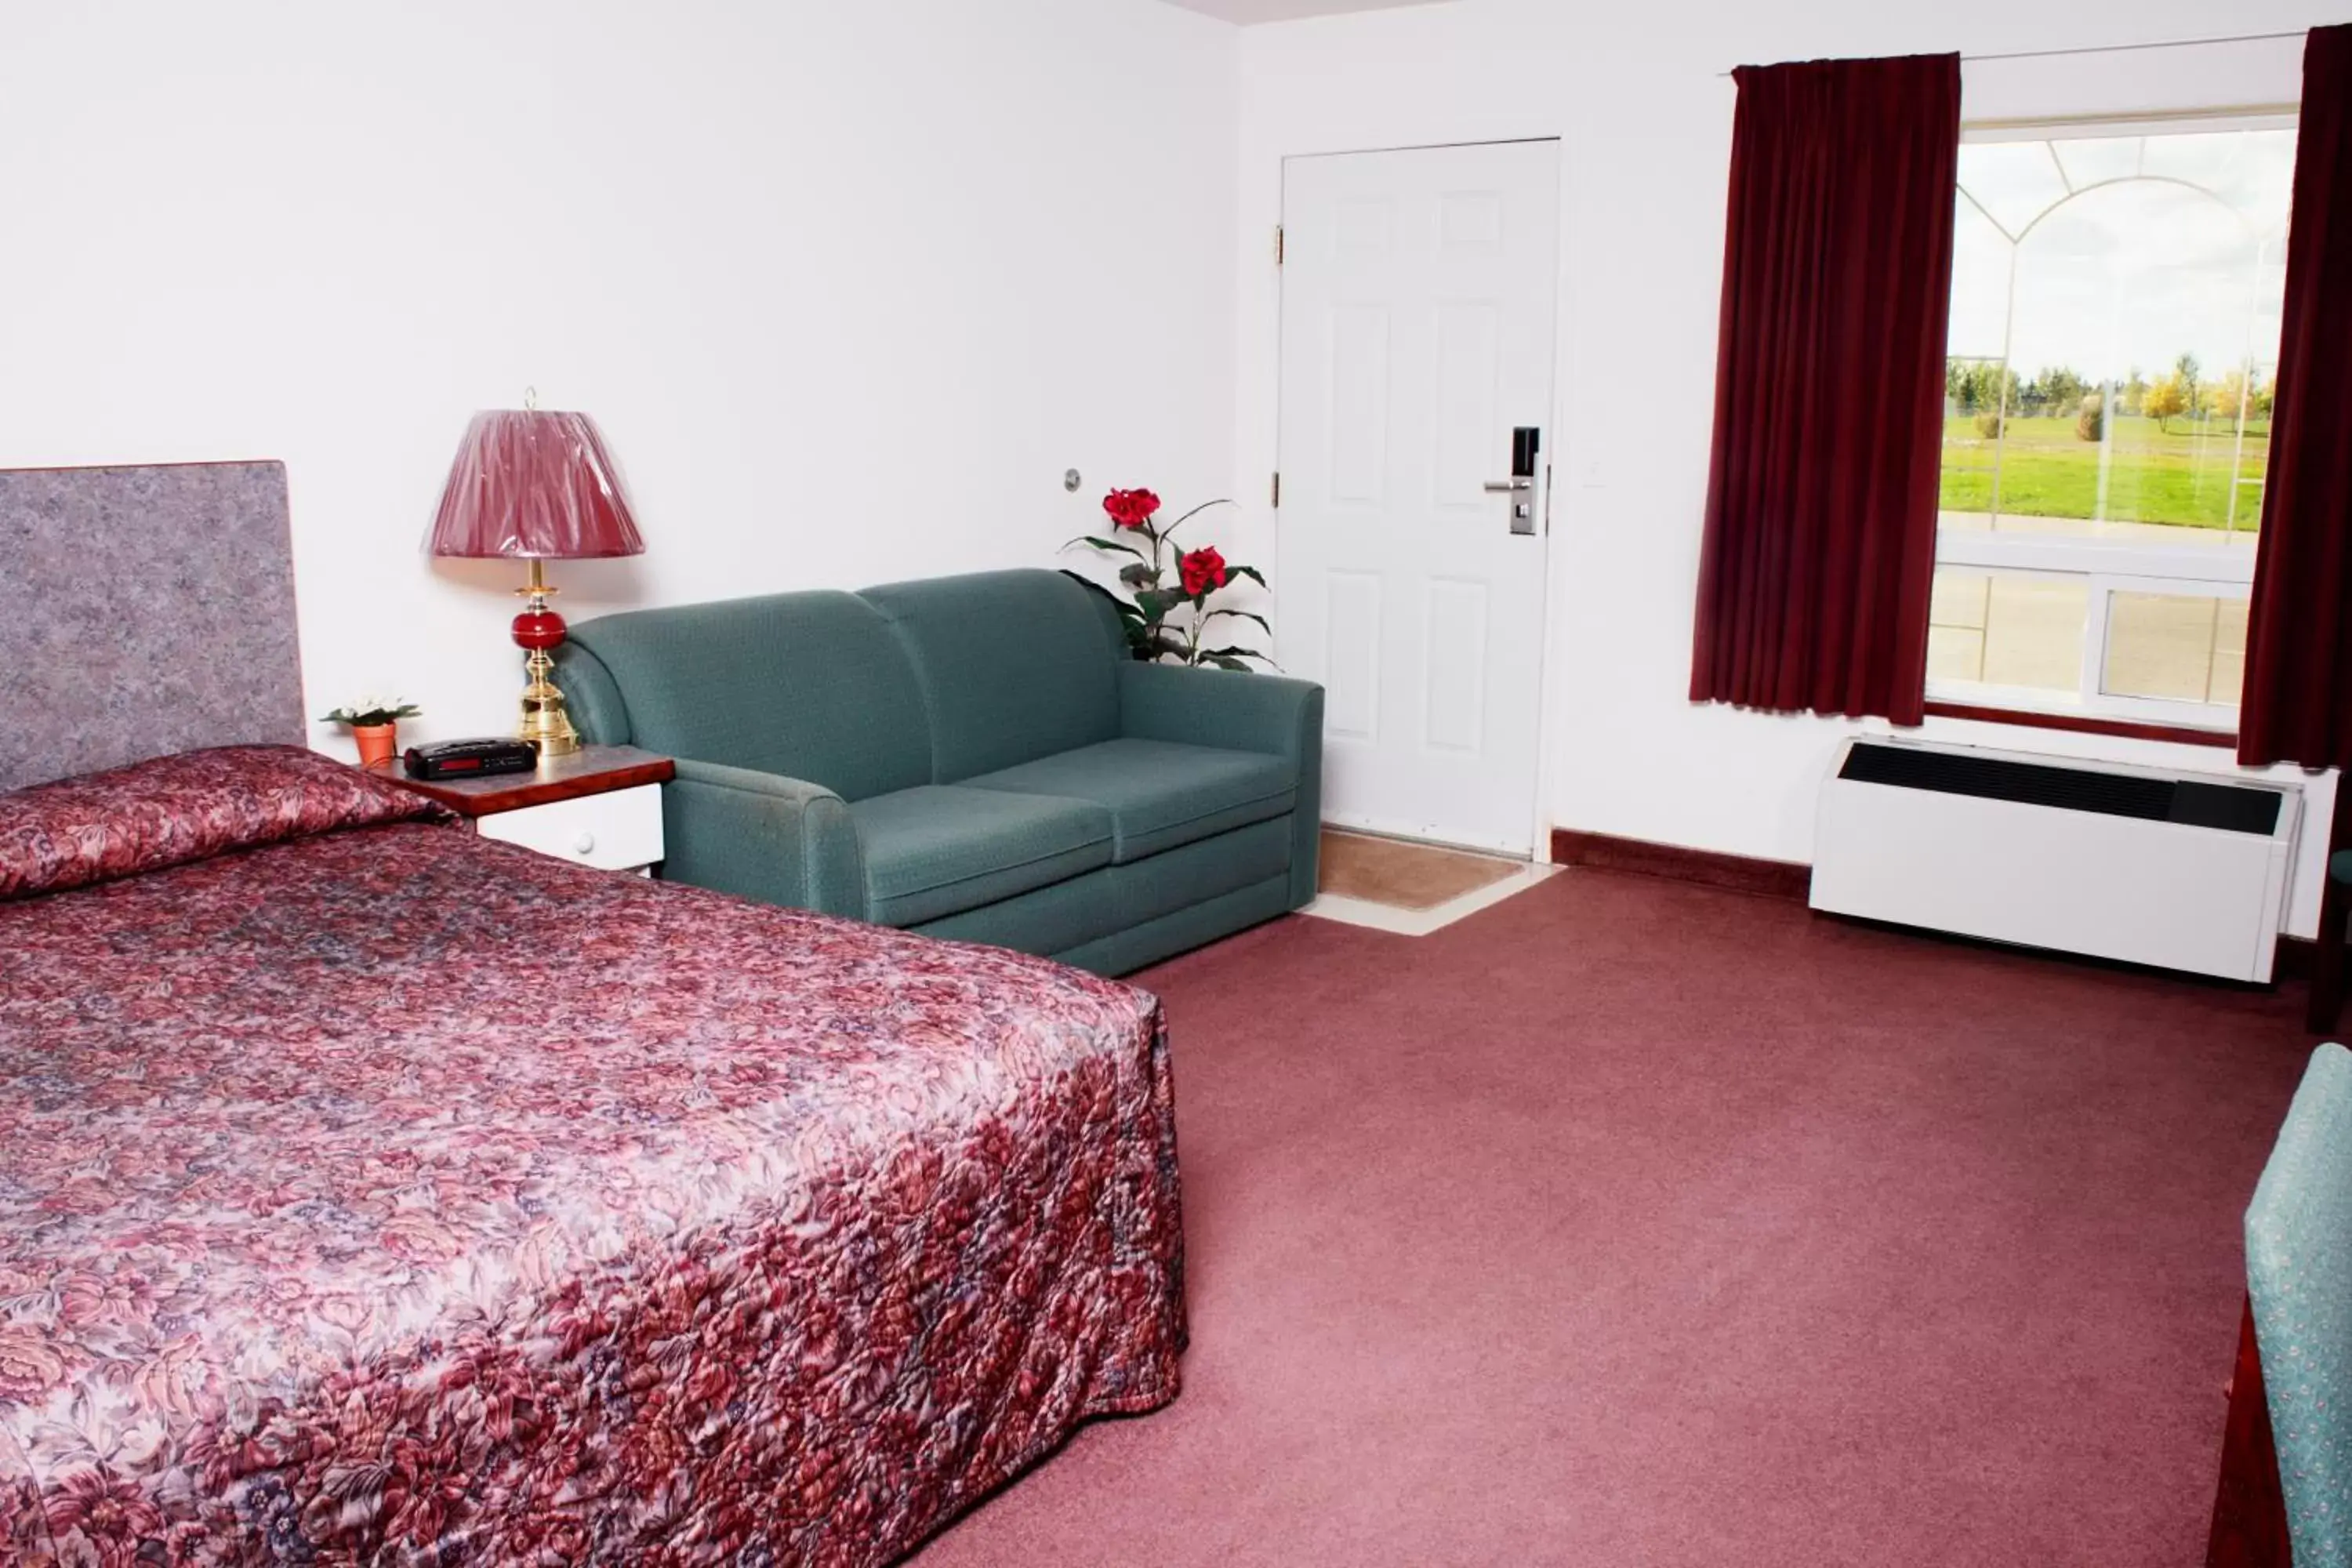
pixel 1988 390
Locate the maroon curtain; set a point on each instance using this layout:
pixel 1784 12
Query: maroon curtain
pixel 2297 700
pixel 1829 388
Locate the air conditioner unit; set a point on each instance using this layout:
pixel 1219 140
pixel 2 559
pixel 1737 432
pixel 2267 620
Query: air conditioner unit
pixel 2179 870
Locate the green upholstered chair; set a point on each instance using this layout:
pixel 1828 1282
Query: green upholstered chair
pixel 975 757
pixel 2287 1454
pixel 2299 1276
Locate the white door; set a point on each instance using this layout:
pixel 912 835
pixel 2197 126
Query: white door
pixel 1418 294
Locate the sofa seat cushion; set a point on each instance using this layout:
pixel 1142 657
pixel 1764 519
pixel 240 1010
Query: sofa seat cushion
pixel 1159 793
pixel 939 849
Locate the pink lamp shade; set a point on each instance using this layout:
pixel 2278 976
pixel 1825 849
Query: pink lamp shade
pixel 536 484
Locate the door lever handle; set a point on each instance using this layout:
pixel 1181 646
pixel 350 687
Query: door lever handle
pixel 1520 486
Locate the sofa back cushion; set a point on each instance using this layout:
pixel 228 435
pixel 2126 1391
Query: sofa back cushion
pixel 812 686
pixel 1013 665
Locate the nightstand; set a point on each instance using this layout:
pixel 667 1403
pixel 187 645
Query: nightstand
pixel 600 806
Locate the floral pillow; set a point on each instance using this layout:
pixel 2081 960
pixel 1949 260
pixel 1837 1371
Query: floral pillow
pixel 171 810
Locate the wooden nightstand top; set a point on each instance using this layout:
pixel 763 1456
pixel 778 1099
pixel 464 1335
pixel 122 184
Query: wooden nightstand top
pixel 590 770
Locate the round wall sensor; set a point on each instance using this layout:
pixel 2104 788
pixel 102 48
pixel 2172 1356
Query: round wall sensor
pixel 1070 480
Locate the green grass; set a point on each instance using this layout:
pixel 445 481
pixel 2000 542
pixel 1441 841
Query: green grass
pixel 2182 476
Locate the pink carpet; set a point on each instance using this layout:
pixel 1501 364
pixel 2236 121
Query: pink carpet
pixel 1629 1223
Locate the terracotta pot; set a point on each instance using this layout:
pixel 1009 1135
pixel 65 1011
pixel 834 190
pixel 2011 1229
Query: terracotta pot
pixel 378 742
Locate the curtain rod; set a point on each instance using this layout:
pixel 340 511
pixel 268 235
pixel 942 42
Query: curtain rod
pixel 2128 48
pixel 2134 117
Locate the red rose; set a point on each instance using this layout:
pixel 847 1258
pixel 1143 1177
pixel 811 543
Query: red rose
pixel 1204 571
pixel 1130 509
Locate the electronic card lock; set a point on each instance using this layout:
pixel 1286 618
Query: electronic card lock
pixel 1521 486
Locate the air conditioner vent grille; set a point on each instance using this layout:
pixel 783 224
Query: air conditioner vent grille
pixel 2229 807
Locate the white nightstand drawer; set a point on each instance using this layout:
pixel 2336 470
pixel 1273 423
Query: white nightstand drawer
pixel 619 831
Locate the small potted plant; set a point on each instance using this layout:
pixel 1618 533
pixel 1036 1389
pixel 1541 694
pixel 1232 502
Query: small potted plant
pixel 374 724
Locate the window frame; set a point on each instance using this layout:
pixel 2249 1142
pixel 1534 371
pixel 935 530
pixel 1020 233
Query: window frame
pixel 2223 570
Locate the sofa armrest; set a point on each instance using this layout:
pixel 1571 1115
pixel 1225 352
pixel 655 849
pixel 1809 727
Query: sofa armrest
pixel 1269 713
pixel 763 836
pixel 1221 708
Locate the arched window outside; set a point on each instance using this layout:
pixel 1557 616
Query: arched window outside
pixel 2115 333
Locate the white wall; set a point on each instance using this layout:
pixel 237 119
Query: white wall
pixel 1637 96
pixel 848 285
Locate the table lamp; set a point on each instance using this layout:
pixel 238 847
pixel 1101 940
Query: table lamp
pixel 538 485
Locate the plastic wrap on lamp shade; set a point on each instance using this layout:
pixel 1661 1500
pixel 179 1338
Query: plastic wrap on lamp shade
pixel 534 482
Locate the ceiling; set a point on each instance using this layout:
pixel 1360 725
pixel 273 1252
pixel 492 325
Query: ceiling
pixel 1248 11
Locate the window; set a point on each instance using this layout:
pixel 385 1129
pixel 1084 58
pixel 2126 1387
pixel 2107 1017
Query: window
pixel 2114 334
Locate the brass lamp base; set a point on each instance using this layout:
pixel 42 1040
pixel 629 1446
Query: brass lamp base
pixel 545 724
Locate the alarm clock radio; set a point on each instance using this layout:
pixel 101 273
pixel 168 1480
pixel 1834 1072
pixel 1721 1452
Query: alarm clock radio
pixel 471 758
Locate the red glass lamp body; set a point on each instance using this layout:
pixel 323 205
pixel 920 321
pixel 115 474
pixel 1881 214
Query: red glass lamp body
pixel 536 485
pixel 538 631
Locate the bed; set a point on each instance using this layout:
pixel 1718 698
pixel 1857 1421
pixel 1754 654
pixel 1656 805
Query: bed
pixel 372 1192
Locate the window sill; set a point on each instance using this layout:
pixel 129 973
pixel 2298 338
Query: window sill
pixel 2084 724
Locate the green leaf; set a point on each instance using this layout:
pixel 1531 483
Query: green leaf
pixel 1105 545
pixel 1243 615
pixel 1138 576
pixel 1127 612
pixel 1252 572
pixel 1155 603
pixel 1226 661
pixel 1235 652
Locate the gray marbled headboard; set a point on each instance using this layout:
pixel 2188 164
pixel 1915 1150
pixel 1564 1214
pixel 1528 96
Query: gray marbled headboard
pixel 144 610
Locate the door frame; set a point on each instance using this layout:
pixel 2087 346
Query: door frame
pixel 1547 634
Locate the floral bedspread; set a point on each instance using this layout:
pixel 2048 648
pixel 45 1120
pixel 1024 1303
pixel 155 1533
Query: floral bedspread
pixel 390 1195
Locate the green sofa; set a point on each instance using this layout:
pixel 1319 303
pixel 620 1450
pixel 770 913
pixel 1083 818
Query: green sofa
pixel 972 757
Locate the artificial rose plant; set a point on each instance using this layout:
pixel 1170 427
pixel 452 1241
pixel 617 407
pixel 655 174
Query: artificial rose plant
pixel 1165 619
